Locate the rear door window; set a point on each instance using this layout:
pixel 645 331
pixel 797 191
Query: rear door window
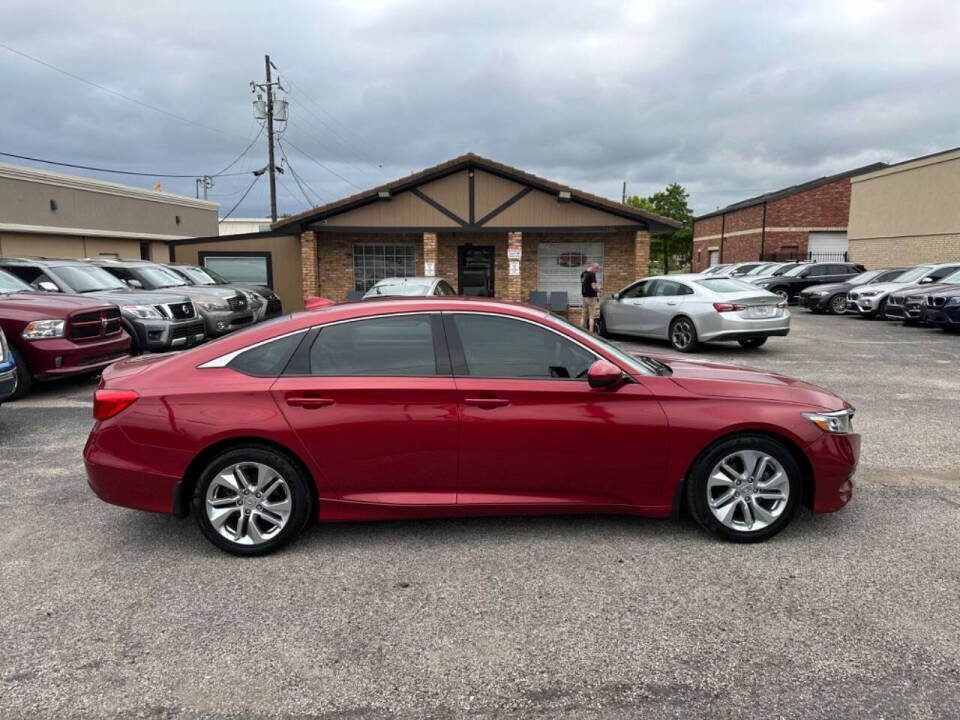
pixel 268 359
pixel 941 273
pixel 393 345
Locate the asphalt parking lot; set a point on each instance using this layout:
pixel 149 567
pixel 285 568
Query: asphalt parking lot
pixel 108 612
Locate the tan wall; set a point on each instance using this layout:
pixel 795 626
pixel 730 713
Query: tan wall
pixel 27 202
pixel 285 260
pixel 403 210
pixel 453 192
pixel 492 191
pixel 70 246
pixel 538 209
pixel 905 251
pixel 908 201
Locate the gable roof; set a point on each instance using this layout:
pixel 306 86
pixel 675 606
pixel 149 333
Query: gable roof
pixel 654 222
pixel 792 190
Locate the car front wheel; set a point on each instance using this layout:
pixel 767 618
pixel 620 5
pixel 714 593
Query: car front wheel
pixel 838 304
pixel 251 501
pixel 782 292
pixel 745 489
pixel 24 375
pixel 683 335
pixel 601 326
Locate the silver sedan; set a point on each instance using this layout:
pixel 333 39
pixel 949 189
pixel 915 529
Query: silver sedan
pixel 410 286
pixel 690 309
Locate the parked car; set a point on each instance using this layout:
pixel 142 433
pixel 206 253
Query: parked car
pixel 772 270
pixel 8 369
pixel 155 321
pixel 745 268
pixel 715 269
pixel 871 301
pixel 446 406
pixel 802 275
pixel 398 286
pixel 52 335
pixel 265 301
pixel 832 297
pixel 942 308
pixel 223 310
pixel 908 304
pixel 690 309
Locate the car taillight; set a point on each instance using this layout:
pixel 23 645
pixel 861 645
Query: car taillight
pixel 107 403
pixel 782 304
pixel 728 307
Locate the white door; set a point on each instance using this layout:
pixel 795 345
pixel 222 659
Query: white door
pixel 827 246
pixel 714 257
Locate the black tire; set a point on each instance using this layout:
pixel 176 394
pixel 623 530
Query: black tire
pixel 135 348
pixel 783 292
pixel 752 342
pixel 683 335
pixel 299 495
pixel 601 327
pixel 882 310
pixel 24 375
pixel 838 304
pixel 697 493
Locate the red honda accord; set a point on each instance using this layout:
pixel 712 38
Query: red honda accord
pixel 427 407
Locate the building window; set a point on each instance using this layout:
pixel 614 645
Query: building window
pixel 559 266
pixel 252 268
pixel 372 263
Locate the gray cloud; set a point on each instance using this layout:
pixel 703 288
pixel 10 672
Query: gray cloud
pixel 729 99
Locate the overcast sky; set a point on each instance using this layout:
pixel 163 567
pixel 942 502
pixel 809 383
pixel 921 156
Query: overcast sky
pixel 730 99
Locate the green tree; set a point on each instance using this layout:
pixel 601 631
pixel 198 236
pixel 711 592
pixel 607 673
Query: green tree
pixel 672 202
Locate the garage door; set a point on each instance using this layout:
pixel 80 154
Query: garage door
pixel 827 246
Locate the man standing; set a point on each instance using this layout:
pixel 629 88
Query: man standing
pixel 589 291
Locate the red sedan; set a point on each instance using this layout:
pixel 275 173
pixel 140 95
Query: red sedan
pixel 409 408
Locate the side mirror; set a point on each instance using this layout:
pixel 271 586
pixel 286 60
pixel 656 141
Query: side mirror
pixel 926 280
pixel 134 283
pixel 603 374
pixel 616 296
pixel 48 286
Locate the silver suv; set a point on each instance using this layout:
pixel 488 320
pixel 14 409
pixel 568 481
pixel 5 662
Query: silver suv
pixel 873 300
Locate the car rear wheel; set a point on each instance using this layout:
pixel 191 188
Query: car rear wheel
pixel 745 489
pixel 782 292
pixel 752 342
pixel 251 501
pixel 24 375
pixel 838 304
pixel 683 335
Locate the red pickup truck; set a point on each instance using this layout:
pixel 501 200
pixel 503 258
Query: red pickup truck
pixel 54 335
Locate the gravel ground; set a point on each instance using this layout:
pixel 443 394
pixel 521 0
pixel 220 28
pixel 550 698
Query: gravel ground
pixel 113 613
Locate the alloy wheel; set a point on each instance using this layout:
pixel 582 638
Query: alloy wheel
pixel 783 294
pixel 747 490
pixel 838 304
pixel 248 503
pixel 682 334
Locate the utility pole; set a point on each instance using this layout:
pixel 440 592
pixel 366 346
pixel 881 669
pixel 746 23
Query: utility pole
pixel 623 199
pixel 205 182
pixel 265 111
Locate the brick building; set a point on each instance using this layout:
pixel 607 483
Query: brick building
pixel 802 221
pixel 488 228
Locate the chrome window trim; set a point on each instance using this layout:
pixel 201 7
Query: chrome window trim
pixel 224 360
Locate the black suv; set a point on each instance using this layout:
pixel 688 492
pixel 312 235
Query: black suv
pixel 205 277
pixel 155 321
pixel 801 276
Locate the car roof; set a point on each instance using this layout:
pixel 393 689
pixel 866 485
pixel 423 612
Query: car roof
pixel 53 262
pixel 416 280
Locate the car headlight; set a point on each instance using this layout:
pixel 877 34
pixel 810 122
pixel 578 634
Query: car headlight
pixel 40 329
pixel 869 293
pixel 143 311
pixel 839 422
pixel 953 301
pixel 206 305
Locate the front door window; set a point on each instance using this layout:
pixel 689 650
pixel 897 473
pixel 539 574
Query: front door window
pixel 476 270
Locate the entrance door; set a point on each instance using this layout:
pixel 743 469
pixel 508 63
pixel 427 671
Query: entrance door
pixel 714 257
pixel 476 270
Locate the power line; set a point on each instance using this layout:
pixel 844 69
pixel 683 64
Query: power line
pixel 237 159
pixel 112 92
pixel 242 198
pixel 297 179
pixel 118 172
pixel 329 170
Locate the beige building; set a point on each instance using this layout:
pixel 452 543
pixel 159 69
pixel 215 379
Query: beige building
pixel 488 228
pixel 242 226
pixel 56 215
pixel 907 213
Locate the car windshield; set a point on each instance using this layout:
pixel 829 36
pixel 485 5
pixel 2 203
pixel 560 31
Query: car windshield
pixel 220 279
pixel 951 279
pixel 795 270
pixel 399 289
pixel 763 270
pixel 727 285
pixel 715 269
pixel 160 277
pixel 648 367
pixel 915 274
pixel 87 278
pixel 864 277
pixel 11 284
pixel 197 275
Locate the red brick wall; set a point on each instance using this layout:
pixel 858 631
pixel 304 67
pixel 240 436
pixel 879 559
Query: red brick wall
pixel 827 206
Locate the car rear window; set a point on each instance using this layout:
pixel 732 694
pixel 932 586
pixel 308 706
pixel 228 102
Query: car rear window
pixel 727 285
pixel 268 359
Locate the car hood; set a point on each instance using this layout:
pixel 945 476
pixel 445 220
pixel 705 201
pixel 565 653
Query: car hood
pixel 952 289
pixel 928 289
pixel 121 296
pixel 208 292
pixel 703 377
pixel 888 287
pixel 54 305
pixel 828 287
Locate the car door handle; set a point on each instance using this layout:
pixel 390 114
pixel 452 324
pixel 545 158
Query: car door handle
pixel 309 402
pixel 672 303
pixel 486 403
